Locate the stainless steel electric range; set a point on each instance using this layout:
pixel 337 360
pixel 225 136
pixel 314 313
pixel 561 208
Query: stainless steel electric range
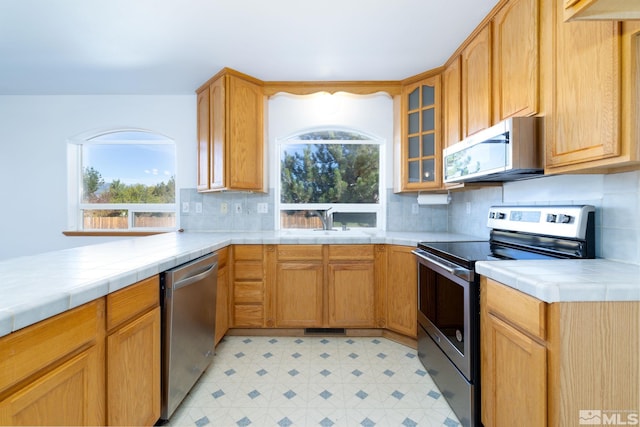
pixel 449 296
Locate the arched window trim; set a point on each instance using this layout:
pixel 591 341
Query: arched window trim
pixel 134 211
pixel 297 138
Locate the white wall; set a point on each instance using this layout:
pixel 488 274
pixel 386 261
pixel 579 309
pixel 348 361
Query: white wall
pixel 33 162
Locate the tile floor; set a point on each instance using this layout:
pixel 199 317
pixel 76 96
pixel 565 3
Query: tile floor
pixel 314 381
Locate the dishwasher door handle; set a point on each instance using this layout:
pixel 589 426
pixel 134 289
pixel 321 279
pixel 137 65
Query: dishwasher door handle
pixel 195 278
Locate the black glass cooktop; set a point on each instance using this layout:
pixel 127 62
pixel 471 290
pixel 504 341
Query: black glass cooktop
pixel 461 253
pixel 467 253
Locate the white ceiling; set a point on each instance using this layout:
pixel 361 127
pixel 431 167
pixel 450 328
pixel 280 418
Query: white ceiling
pixel 173 46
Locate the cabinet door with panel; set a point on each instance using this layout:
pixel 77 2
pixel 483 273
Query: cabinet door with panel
pixel 245 140
pixel 203 109
pixel 451 103
pixel 351 286
pixel 516 59
pixel 222 297
pixel 40 403
pixel 133 354
pixel 584 120
pixel 402 290
pixel 298 294
pixel 218 164
pixel 476 83
pixel 421 151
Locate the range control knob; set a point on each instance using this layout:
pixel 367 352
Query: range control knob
pixel 501 215
pixel 564 219
pixel 551 218
pixel 492 215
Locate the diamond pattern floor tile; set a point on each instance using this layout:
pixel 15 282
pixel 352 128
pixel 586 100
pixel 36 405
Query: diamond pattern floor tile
pixel 314 381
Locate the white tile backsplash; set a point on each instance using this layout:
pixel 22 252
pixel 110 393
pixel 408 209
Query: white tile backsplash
pixel 615 196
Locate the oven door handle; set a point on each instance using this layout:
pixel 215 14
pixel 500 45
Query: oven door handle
pixel 451 269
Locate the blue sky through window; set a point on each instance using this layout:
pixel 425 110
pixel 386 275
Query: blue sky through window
pixel 147 164
pixel 133 157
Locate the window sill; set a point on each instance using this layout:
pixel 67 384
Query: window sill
pixel 114 233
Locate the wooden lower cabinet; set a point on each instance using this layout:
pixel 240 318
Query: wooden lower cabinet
pixel 351 287
pixel 248 291
pixel 133 367
pixel 298 294
pixel 75 382
pixel 60 359
pixel 402 290
pixel 320 286
pixel 133 354
pixel 516 377
pixel 543 363
pixel 97 364
pixel 222 296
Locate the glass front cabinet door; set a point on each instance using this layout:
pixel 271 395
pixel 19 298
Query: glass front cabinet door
pixel 421 150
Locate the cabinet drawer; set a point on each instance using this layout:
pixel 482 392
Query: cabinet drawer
pixel 299 252
pixel 248 292
pixel 247 252
pixel 248 270
pixel 517 308
pixel 248 315
pixel 31 349
pixel 350 252
pixel 131 301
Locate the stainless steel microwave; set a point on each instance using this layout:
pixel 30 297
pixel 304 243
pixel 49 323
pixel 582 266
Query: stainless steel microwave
pixel 507 151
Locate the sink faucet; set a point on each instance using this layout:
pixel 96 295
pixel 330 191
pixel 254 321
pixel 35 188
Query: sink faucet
pixel 325 216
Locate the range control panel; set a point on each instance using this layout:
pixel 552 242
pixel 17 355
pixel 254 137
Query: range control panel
pixel 562 221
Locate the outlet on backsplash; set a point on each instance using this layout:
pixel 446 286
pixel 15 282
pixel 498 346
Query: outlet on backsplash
pixel 224 208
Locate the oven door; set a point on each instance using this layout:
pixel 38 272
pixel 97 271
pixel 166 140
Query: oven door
pixel 446 308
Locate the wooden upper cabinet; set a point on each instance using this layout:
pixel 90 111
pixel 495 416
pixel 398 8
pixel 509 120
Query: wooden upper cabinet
pixel 451 103
pixel 476 83
pixel 515 60
pixel 204 138
pixel 583 122
pixel 245 134
pixel 231 133
pixel 218 144
pixel 421 150
pixel 616 10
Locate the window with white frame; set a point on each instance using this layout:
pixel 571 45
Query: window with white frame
pixel 329 170
pixel 123 181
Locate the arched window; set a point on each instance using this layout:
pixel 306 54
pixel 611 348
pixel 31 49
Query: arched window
pixel 330 170
pixel 122 181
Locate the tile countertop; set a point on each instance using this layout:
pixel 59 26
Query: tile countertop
pixel 567 280
pixel 36 287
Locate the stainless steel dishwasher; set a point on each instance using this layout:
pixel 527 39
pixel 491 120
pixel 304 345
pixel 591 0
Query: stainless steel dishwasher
pixel 188 327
